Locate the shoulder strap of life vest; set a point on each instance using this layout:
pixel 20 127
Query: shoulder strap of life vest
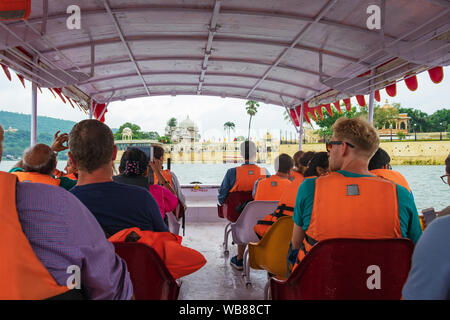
pixel 36 177
pixel 350 207
pixel 246 176
pixel 22 275
pixel 272 188
pixel 392 175
pixel 166 174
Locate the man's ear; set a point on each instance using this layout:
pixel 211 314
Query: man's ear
pixel 386 166
pixel 114 154
pixel 74 164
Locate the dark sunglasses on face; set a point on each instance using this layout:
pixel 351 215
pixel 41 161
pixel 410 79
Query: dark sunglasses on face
pixel 330 144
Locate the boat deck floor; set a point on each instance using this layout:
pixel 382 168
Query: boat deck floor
pixel 217 279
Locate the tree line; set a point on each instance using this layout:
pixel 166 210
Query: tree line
pixel 385 117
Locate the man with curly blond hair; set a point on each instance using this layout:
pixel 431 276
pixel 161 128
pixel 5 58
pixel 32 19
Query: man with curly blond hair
pixel 351 202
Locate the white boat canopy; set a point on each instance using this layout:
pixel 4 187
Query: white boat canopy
pixel 290 53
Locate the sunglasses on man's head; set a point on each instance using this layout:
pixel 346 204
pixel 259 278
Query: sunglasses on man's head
pixel 330 144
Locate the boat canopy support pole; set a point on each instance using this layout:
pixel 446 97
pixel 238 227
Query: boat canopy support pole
pixel 371 98
pixel 33 111
pixel 300 131
pixel 91 108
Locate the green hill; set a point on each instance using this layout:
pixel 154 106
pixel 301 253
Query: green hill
pixel 16 142
pixel 44 124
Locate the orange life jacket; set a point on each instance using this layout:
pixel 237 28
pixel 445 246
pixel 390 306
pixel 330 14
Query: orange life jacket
pixel 22 275
pixel 345 207
pixel 71 176
pixel 246 176
pixel 285 208
pixel 36 177
pixel 58 173
pixel 392 175
pixel 297 175
pixel 180 260
pixel 271 189
pixel 166 174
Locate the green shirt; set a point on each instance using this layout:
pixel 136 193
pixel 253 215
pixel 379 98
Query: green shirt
pixel 408 215
pixel 65 182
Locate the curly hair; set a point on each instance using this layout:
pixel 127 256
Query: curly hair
pixel 359 132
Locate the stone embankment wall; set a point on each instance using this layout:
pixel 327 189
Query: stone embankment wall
pixel 401 153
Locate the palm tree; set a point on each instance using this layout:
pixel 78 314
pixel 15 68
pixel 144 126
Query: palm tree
pixel 252 109
pixel 228 126
pixel 286 117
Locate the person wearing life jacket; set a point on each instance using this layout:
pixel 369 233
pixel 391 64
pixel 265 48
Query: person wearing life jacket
pixel 379 166
pixel 350 202
pixel 268 189
pixel 71 171
pixel 60 144
pixel 238 179
pixel 271 188
pixel 134 170
pixel 38 164
pixel 242 178
pixel 318 167
pixel 169 180
pixel 43 229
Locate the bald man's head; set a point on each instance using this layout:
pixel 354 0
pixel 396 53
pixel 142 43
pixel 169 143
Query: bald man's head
pixel 39 158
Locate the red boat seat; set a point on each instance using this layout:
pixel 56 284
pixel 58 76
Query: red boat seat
pixel 349 269
pixel 150 277
pixel 228 209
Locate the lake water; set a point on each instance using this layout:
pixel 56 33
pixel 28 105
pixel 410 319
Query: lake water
pixel 427 187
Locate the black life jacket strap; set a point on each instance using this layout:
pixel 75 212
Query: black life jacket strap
pixel 265 222
pixel 310 241
pixel 280 209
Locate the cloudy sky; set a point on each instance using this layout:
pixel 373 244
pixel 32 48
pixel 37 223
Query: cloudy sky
pixel 209 113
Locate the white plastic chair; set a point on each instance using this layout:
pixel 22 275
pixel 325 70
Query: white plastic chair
pixel 243 232
pixel 174 225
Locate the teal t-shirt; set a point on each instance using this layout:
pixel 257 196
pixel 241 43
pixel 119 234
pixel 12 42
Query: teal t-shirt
pixel 409 217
